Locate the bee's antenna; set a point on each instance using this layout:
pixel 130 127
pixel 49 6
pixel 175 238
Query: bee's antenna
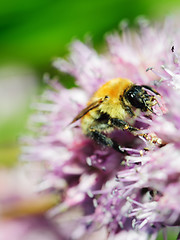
pixel 150 89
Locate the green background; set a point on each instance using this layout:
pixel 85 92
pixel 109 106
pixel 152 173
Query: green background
pixel 33 32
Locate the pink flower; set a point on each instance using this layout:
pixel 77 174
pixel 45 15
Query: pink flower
pixel 125 195
pixel 23 210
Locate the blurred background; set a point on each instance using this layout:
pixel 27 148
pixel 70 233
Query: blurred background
pixel 33 33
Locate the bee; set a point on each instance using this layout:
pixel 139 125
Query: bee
pixel 110 107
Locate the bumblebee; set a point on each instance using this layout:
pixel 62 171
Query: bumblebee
pixel 110 107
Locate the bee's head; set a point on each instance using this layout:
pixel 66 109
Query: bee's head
pixel 138 97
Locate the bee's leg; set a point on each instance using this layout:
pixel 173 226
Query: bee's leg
pixel 124 125
pixel 121 124
pixel 102 139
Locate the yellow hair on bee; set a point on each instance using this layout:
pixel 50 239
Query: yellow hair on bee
pixel 113 88
pixel 109 93
pixel 111 106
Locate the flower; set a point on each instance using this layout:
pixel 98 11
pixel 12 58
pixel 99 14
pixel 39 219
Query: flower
pixel 124 196
pixel 22 209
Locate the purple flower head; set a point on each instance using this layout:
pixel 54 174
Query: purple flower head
pixel 124 197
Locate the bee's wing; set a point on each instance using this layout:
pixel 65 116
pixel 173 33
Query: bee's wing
pixel 93 105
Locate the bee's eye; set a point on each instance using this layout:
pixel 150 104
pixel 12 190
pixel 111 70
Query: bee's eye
pixel 136 96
